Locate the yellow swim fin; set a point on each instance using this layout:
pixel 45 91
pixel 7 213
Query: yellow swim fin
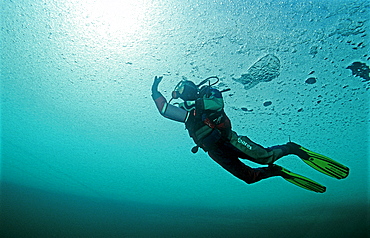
pixel 301 181
pixel 320 162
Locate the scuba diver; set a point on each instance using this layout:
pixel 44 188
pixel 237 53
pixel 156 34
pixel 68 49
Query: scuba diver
pixel 202 111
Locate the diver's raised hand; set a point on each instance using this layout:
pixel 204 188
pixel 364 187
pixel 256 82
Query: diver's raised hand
pixel 156 82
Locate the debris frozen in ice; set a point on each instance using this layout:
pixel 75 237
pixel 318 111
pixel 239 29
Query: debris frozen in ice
pixel 360 70
pixel 311 80
pixel 264 70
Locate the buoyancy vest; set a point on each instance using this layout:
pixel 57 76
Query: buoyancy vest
pixel 207 122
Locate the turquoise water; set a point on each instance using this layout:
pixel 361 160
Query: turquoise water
pixel 86 154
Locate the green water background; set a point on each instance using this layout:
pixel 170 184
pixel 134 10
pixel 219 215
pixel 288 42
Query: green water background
pixel 84 152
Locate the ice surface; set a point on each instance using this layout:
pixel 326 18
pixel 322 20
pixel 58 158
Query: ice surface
pixel 78 121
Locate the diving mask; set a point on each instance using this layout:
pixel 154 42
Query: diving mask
pixel 178 90
pixel 185 90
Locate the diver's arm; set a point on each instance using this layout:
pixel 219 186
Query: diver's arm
pixel 167 110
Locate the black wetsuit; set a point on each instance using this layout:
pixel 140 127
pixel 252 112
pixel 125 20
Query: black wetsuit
pixel 211 130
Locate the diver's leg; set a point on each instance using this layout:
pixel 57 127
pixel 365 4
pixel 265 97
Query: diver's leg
pixel 256 153
pixel 240 170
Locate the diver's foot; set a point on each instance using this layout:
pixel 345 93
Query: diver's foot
pixel 275 170
pixel 296 149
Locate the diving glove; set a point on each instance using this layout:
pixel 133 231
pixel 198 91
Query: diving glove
pixel 155 92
